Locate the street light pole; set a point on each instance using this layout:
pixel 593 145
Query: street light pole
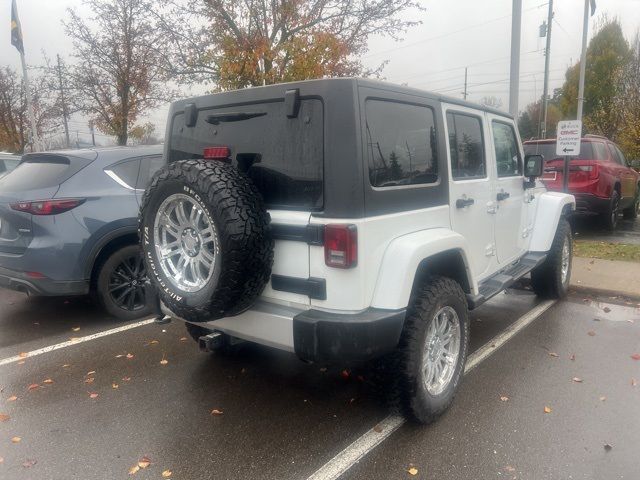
pixel 514 73
pixel 583 59
pixel 547 57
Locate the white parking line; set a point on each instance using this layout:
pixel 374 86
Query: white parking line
pixel 357 450
pixel 75 341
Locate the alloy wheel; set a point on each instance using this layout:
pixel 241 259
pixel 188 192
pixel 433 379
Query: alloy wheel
pixel 441 350
pixel 127 284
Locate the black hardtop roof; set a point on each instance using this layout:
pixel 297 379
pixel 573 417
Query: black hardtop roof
pixel 257 93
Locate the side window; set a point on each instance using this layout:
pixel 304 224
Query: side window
pixel 126 172
pixel 148 166
pixel 508 158
pixel 401 140
pixel 620 156
pixel 466 146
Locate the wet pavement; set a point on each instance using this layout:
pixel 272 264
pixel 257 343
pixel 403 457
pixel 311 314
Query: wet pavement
pixel 283 419
pixel 589 228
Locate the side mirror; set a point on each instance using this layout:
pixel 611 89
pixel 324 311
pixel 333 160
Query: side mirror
pixel 533 167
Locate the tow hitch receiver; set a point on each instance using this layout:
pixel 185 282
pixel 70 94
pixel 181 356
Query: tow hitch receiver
pixel 209 343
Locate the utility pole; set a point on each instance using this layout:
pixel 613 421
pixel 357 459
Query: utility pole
pixel 583 56
pixel 65 113
pixel 93 132
pixel 514 73
pixel 547 58
pixel 464 94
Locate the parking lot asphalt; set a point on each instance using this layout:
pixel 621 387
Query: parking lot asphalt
pixel 94 409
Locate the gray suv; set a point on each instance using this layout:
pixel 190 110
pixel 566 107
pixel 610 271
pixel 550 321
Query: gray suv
pixel 68 226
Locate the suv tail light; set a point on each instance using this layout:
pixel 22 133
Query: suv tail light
pixel 48 207
pixel 341 246
pixel 216 153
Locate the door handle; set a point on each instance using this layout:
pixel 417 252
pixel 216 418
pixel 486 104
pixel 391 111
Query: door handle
pixel 502 196
pixel 464 202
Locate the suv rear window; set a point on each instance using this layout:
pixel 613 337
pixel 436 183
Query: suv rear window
pixel 548 151
pixel 42 171
pixel 283 156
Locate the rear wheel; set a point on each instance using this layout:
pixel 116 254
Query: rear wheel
pixel 122 287
pixel 631 213
pixel 551 278
pixel 433 349
pixel 610 217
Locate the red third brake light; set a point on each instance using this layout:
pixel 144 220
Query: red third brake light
pixel 341 246
pixel 216 153
pixel 48 207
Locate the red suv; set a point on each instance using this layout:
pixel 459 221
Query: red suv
pixel 600 178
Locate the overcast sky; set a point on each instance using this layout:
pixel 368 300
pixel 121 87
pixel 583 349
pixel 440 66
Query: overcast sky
pixel 453 34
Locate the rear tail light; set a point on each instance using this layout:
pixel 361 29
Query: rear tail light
pixel 48 207
pixel 216 153
pixel 341 246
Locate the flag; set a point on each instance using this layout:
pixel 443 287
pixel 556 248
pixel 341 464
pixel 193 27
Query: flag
pixel 16 31
pixel 593 6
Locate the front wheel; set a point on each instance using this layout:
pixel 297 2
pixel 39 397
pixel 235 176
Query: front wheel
pixel 551 278
pixel 433 349
pixel 122 287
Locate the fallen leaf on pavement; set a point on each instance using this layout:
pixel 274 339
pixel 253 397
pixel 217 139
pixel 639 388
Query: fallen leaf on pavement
pixel 23 354
pixel 164 361
pixel 1 460
pixel 602 399
pixel 76 329
pixel 216 412
pixel 33 386
pixel 4 417
pixel 29 463
pixel 74 339
pixel 572 357
pixel 509 468
pixel 606 309
pixel 167 473
pixel 553 354
pixel 66 365
pixel 183 339
pixel 133 470
pixel 636 356
pixel 114 386
pixel 119 356
pixel 591 333
pixel 12 398
pixel 89 380
pixel 377 429
pixel 634 382
pixel 412 471
pixel 577 379
pixel 92 372
pixel 126 379
pixel 547 409
pixel 144 462
pixel 21 362
pixel 504 398
pixel 48 381
pixel 93 395
pixel 607 447
pixel 129 355
pixel 153 342
pixel 16 440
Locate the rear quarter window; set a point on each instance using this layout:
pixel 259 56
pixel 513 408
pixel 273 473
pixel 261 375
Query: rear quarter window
pixel 42 171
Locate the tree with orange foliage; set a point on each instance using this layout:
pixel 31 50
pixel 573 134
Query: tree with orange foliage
pixel 235 44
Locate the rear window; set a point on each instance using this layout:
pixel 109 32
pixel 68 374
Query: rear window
pixel 42 171
pixel 588 151
pixel 283 156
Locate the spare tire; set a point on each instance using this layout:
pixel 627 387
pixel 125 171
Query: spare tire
pixel 206 239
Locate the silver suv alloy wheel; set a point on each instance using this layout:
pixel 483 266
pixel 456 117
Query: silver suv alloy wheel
pixel 186 242
pixel 441 350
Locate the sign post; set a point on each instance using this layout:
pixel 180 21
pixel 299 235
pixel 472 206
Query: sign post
pixel 569 133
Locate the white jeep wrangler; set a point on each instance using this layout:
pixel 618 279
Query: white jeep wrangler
pixel 347 220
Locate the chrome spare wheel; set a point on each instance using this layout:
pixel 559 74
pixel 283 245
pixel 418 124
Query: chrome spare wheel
pixel 186 242
pixel 566 261
pixel 441 350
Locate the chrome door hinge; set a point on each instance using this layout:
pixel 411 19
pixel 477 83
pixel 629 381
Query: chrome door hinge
pixel 490 250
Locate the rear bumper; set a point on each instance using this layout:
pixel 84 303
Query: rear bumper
pixel 314 335
pixel 588 204
pixel 19 281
